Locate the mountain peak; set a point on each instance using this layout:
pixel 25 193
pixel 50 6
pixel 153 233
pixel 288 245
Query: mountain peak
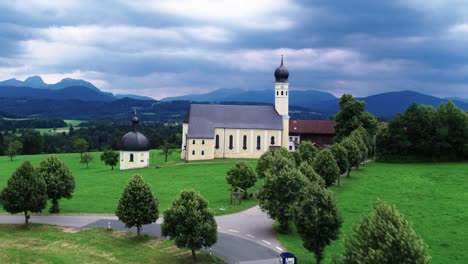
pixel 34 82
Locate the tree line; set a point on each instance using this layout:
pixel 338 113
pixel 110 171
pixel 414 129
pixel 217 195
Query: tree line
pixel 98 135
pixel 425 132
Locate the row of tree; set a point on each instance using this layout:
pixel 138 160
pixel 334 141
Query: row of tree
pixel 28 189
pixel 98 135
pixel 425 132
pixel 189 221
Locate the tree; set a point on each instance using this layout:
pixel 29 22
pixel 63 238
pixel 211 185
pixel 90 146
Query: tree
pixel 137 205
pixel 86 159
pixel 26 191
pixel 264 163
pixel 278 194
pixel 59 180
pixel 274 162
pixel 354 154
pixel 167 150
pixel 352 116
pixel 308 171
pixel 317 219
pixel 13 149
pixel 110 158
pixel 356 137
pixel 190 223
pixel 81 146
pixel 341 156
pixel 384 237
pixel 308 151
pixel 325 165
pixel 241 175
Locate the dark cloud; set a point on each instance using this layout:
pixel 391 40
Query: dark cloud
pixel 361 46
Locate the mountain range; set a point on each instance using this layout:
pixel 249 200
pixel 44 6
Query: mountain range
pixel 68 93
pixel 34 87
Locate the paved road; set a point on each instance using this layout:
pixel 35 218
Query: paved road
pixel 244 238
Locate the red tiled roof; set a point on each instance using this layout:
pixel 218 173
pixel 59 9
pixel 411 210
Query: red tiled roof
pixel 312 126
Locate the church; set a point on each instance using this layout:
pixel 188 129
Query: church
pixel 238 131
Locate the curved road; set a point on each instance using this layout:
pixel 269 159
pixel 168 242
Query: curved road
pixel 245 238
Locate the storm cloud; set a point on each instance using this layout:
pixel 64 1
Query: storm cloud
pixel 166 48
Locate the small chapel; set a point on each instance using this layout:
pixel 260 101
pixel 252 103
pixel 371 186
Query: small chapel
pixel 238 131
pixel 134 148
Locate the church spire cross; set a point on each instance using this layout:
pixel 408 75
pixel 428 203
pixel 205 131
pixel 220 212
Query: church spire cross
pixel 281 59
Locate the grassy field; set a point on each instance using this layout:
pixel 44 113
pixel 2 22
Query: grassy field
pixel 98 189
pixel 433 196
pixel 69 123
pixel 51 244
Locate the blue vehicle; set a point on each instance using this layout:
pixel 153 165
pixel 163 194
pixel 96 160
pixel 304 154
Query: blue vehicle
pixel 287 258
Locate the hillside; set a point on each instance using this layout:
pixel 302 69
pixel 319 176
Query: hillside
pixel 69 93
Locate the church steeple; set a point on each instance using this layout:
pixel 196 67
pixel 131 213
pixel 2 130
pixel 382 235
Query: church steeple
pixel 282 89
pixel 282 99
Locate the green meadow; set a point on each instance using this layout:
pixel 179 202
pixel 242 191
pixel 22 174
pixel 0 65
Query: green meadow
pixel 98 188
pixel 433 196
pixel 51 244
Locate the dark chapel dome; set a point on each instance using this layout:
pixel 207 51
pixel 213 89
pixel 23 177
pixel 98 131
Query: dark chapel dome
pixel 281 73
pixel 134 140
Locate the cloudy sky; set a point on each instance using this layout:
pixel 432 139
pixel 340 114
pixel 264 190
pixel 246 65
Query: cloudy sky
pixel 165 47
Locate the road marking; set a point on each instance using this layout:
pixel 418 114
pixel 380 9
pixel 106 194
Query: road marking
pixel 278 248
pixel 266 242
pixel 249 235
pixel 232 230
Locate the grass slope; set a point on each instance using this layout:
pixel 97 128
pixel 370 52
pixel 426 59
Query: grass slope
pixel 98 189
pixel 50 244
pixel 433 196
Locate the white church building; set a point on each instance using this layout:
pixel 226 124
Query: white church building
pixel 134 149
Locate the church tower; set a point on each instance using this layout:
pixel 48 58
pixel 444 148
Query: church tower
pixel 282 99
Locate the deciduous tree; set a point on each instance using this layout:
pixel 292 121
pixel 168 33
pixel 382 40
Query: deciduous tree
pixel 26 191
pixel 354 154
pixel 308 171
pixel 190 223
pixel 317 219
pixel 86 159
pixel 308 151
pixel 13 149
pixel 81 146
pixel 278 194
pixel 110 158
pixel 59 180
pixel 341 156
pixel 137 205
pixel 241 175
pixel 384 237
pixel 325 165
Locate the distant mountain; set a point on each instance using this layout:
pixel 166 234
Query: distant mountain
pixel 299 98
pixel 132 96
pixel 70 93
pixel 37 82
pixel 389 104
pixel 465 100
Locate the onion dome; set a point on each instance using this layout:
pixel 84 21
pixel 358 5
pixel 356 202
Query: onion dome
pixel 281 73
pixel 134 140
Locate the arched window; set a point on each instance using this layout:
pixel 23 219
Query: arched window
pixel 277 93
pixel 281 92
pixel 193 142
pixel 244 142
pixel 231 139
pixel 259 142
pixel 272 140
pixel 217 142
pixel 193 152
pixel 203 152
pixel 131 157
pixel 286 92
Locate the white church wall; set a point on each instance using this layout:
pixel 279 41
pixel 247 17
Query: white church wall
pixel 140 159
